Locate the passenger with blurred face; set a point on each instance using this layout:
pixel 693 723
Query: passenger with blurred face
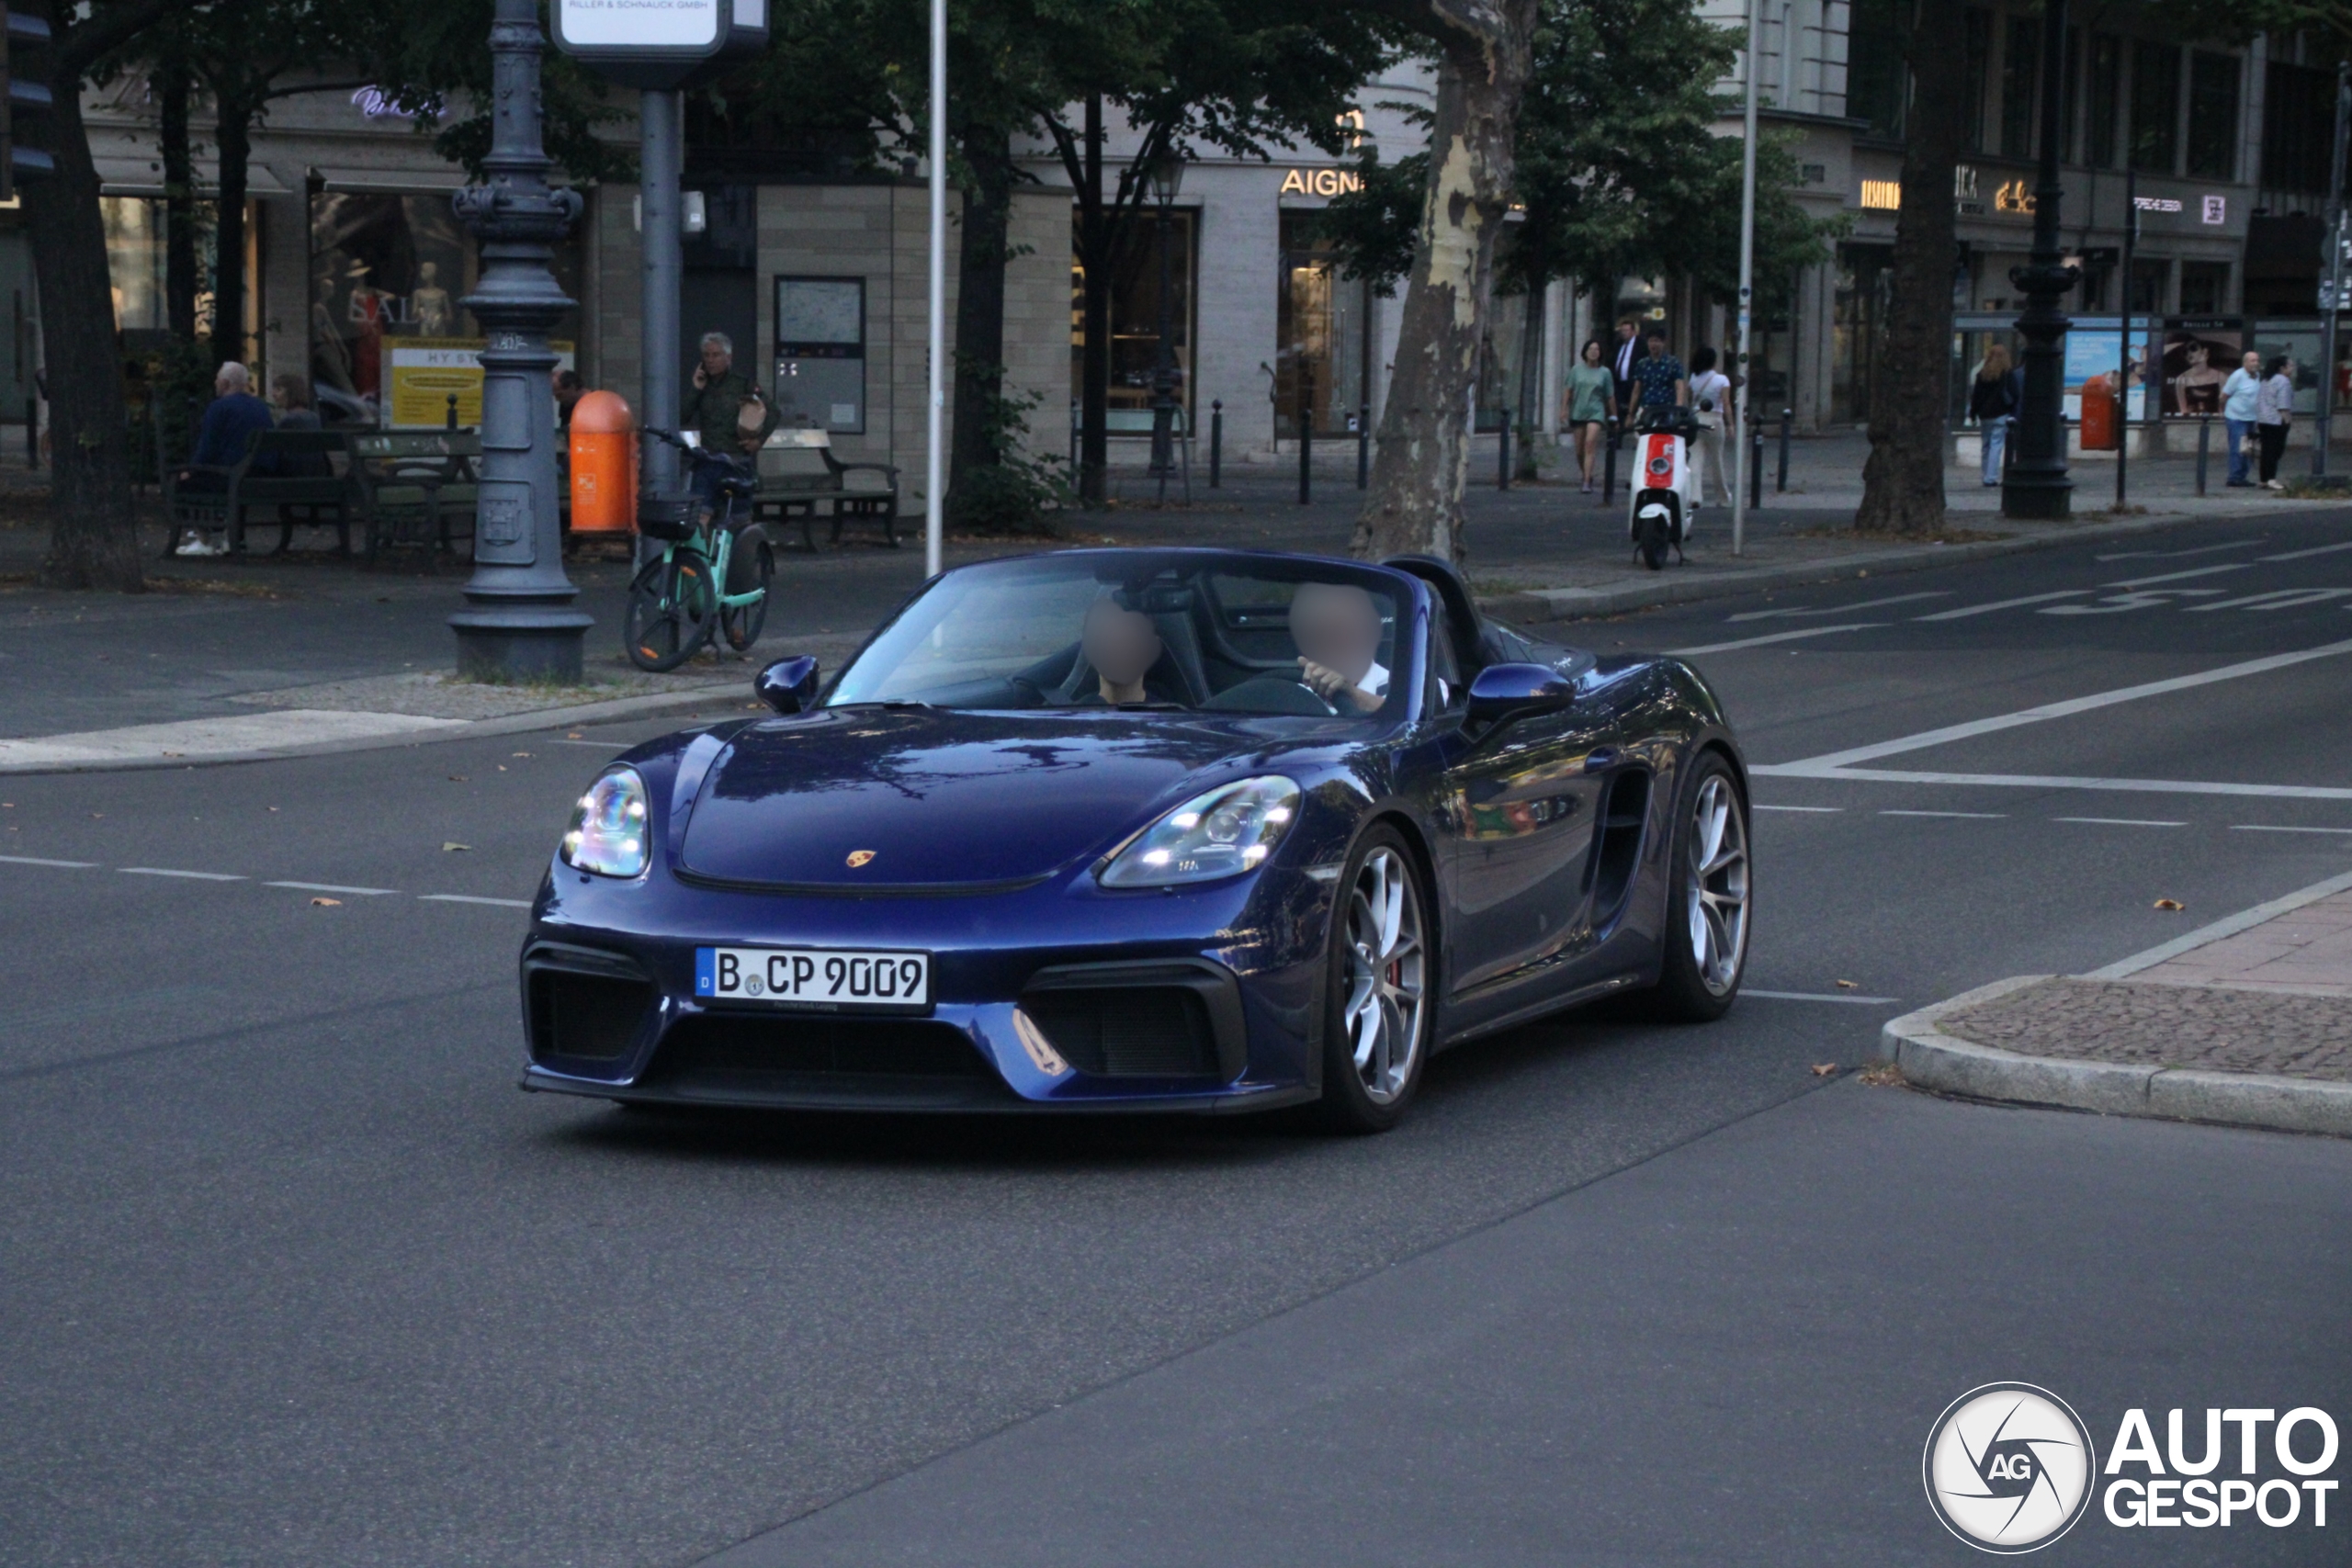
pixel 1121 645
pixel 1337 628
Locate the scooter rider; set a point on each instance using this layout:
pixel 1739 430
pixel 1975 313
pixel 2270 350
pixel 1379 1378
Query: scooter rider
pixel 1659 380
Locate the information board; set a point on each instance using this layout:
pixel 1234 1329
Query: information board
pixel 423 372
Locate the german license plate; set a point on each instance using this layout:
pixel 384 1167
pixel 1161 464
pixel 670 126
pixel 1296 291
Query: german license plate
pixel 838 977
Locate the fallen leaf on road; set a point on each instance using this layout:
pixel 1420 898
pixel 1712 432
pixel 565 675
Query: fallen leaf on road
pixel 97 814
pixel 175 753
pixel 502 767
pixel 1849 985
pixel 2170 904
pixel 326 903
pixel 571 735
pixel 1880 1075
pixel 1823 1070
pixel 456 778
pixel 273 809
pixel 453 847
pixel 520 753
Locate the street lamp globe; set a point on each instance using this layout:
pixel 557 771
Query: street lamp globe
pixel 1166 175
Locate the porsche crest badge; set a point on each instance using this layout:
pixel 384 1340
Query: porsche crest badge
pixel 859 857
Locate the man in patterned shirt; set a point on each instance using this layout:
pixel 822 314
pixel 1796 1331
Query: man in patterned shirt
pixel 1659 380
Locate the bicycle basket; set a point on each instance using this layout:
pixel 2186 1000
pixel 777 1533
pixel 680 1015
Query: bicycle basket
pixel 668 517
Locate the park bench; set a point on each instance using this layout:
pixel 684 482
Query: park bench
pixel 416 489
pixel 798 473
pixel 294 500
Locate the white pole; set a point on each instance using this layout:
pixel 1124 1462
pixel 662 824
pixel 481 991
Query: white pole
pixel 1746 282
pixel 935 410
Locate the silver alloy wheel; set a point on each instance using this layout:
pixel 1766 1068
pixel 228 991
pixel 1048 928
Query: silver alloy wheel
pixel 1386 965
pixel 1715 886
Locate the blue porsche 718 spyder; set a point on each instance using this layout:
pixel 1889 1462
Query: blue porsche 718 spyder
pixel 1142 829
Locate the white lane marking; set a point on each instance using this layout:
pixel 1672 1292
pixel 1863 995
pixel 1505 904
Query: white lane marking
pixel 2048 781
pixel 191 875
pixel 2299 554
pixel 199 737
pixel 1840 609
pixel 2199 550
pixel 469 898
pixel 1762 808
pixel 1967 610
pixel 1776 637
pixel 61 864
pixel 1987 815
pixel 1831 761
pixel 2178 576
pixel 1819 996
pixel 2280 827
pixel 2139 599
pixel 2120 821
pixel 2245 920
pixel 334 887
pixel 2277 599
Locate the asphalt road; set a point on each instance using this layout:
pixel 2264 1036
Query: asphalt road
pixel 290 1274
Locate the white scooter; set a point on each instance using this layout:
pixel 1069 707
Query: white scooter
pixel 1665 490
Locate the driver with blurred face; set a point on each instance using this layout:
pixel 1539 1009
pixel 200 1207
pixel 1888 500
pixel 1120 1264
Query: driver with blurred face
pixel 1121 646
pixel 1337 628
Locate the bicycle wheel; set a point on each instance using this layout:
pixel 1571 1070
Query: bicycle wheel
pixel 669 611
pixel 753 567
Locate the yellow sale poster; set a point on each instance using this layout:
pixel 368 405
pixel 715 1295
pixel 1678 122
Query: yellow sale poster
pixel 425 371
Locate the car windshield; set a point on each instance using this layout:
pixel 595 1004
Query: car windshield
pixel 1142 630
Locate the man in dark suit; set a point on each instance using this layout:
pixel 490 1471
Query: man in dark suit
pixel 1628 352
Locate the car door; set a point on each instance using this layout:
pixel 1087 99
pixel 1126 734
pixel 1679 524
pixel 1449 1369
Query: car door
pixel 1517 804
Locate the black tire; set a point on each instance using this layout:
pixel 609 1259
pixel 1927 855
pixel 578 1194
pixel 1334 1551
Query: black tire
pixel 1372 1095
pixel 753 565
pixel 670 617
pixel 1654 541
pixel 1696 983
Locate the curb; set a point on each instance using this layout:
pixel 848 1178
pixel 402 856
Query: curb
pixel 1528 606
pixel 507 724
pixel 1933 1060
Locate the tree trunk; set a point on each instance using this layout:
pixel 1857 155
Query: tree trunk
pixel 1415 501
pixel 980 308
pixel 1903 481
pixel 1094 361
pixel 234 133
pixel 171 84
pixel 94 535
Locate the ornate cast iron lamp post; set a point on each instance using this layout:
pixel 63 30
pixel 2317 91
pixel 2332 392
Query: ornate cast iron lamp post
pixel 2036 485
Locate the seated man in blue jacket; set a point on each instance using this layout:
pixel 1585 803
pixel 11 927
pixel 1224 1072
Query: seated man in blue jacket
pixel 229 422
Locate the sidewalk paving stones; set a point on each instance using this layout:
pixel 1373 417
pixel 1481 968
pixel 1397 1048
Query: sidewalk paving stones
pixel 2252 1025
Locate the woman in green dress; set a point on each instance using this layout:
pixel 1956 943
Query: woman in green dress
pixel 1592 397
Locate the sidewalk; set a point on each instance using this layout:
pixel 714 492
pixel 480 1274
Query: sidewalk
pixel 2248 1021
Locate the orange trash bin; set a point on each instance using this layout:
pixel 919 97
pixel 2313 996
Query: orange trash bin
pixel 604 465
pixel 2099 416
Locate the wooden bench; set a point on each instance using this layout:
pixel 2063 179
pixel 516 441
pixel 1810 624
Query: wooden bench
pixel 416 489
pixel 798 473
pixel 227 501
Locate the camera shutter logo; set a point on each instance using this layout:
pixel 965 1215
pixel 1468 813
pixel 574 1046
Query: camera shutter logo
pixel 2008 1467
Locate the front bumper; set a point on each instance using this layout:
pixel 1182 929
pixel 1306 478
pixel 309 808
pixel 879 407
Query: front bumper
pixel 1056 997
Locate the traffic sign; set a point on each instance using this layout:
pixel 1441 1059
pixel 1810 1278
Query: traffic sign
pixel 662 46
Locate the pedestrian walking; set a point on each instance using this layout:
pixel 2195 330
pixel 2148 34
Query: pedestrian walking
pixel 1659 380
pixel 2274 410
pixel 1592 401
pixel 1630 351
pixel 2239 394
pixel 1993 403
pixel 1711 395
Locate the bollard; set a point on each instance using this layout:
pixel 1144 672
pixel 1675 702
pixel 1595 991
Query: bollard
pixel 1502 453
pixel 1788 417
pixel 2204 448
pixel 1755 466
pixel 1608 462
pixel 1216 443
pixel 453 410
pixel 1363 445
pixel 32 434
pixel 1306 432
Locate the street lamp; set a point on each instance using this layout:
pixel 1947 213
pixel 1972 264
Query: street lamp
pixel 518 624
pixel 2036 485
pixel 1166 175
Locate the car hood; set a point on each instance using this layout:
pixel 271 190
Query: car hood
pixel 939 799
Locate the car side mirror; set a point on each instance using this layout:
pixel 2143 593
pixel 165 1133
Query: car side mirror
pixel 789 685
pixel 1501 692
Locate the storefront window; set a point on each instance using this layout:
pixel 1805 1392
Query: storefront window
pixel 1134 315
pixel 2155 107
pixel 1321 323
pixel 135 261
pixel 2106 98
pixel 2213 116
pixel 387 268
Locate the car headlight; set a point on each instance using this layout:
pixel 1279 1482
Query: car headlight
pixel 608 827
pixel 1228 831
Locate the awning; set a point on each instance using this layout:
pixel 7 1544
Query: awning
pixel 144 176
pixel 414 181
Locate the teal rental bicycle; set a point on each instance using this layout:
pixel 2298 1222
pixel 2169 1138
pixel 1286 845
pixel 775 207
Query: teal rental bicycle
pixel 699 584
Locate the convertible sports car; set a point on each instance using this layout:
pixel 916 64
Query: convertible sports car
pixel 1139 830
